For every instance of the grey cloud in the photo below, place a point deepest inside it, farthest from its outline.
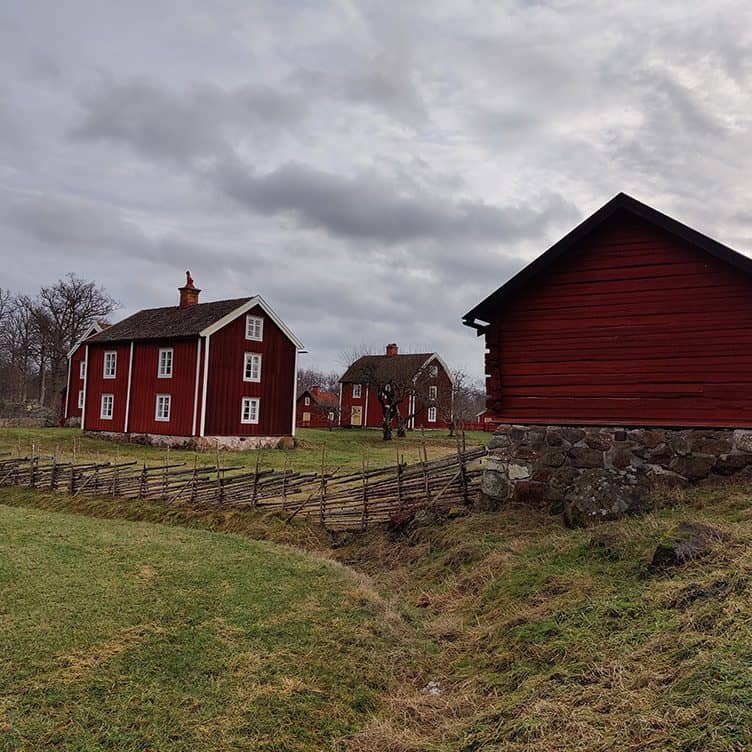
(371, 207)
(200, 122)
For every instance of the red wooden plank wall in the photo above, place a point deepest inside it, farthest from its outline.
(226, 388)
(634, 327)
(97, 385)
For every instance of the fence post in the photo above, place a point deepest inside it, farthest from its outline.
(322, 499)
(424, 467)
(399, 479)
(254, 497)
(463, 474)
(364, 477)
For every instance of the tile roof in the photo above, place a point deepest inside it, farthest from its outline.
(168, 323)
(380, 368)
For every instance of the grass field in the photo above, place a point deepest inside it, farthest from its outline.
(343, 449)
(130, 636)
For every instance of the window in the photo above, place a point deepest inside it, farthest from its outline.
(254, 328)
(82, 369)
(165, 363)
(307, 401)
(110, 365)
(356, 391)
(249, 411)
(331, 415)
(80, 399)
(252, 367)
(162, 412)
(433, 371)
(431, 414)
(433, 392)
(105, 406)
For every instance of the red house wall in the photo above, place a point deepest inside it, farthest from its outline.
(444, 396)
(146, 385)
(633, 327)
(97, 385)
(76, 383)
(226, 388)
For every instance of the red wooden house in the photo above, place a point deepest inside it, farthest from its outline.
(631, 319)
(317, 408)
(72, 397)
(224, 371)
(428, 406)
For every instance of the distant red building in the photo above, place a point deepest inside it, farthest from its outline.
(73, 394)
(222, 370)
(428, 407)
(631, 319)
(317, 408)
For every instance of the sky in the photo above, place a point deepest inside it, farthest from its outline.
(372, 169)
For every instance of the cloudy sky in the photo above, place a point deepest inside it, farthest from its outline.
(372, 169)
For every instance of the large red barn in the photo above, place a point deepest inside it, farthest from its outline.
(223, 371)
(632, 318)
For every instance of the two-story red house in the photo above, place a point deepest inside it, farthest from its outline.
(72, 397)
(223, 373)
(429, 404)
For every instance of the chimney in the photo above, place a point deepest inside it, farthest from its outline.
(315, 389)
(188, 294)
(392, 349)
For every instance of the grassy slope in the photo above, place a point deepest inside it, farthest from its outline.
(539, 640)
(132, 636)
(345, 448)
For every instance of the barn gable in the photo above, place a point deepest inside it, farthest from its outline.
(631, 319)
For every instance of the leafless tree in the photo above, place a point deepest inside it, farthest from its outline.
(463, 403)
(310, 377)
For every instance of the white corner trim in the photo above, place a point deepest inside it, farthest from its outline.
(339, 412)
(67, 393)
(257, 300)
(195, 387)
(294, 395)
(93, 329)
(86, 381)
(128, 392)
(436, 356)
(205, 385)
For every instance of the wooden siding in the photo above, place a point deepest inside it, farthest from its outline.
(146, 385)
(226, 388)
(97, 385)
(633, 327)
(76, 383)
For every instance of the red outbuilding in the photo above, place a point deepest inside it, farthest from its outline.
(72, 397)
(429, 404)
(224, 372)
(317, 408)
(632, 318)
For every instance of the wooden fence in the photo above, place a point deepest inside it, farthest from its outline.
(339, 502)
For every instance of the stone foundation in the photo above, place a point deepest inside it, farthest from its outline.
(200, 443)
(605, 472)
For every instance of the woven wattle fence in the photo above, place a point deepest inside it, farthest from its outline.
(339, 502)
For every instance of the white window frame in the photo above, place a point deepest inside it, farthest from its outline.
(331, 415)
(250, 420)
(357, 391)
(431, 414)
(104, 400)
(82, 370)
(162, 371)
(251, 324)
(307, 401)
(248, 358)
(166, 400)
(433, 371)
(80, 399)
(110, 356)
(433, 392)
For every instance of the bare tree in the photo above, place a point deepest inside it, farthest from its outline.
(310, 377)
(465, 400)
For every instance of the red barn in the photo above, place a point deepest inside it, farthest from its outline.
(73, 394)
(631, 319)
(429, 404)
(317, 408)
(224, 371)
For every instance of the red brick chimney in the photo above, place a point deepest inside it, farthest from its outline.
(392, 349)
(315, 389)
(188, 294)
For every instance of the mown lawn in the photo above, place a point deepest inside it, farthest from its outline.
(340, 449)
(133, 636)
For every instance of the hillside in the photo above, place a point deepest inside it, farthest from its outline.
(524, 635)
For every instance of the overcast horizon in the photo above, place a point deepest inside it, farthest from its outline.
(372, 170)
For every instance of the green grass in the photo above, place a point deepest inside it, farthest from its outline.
(133, 636)
(345, 449)
(537, 638)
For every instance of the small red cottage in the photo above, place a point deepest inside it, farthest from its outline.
(632, 319)
(73, 394)
(223, 372)
(424, 377)
(317, 408)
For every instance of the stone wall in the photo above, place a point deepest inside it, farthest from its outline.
(233, 443)
(605, 472)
